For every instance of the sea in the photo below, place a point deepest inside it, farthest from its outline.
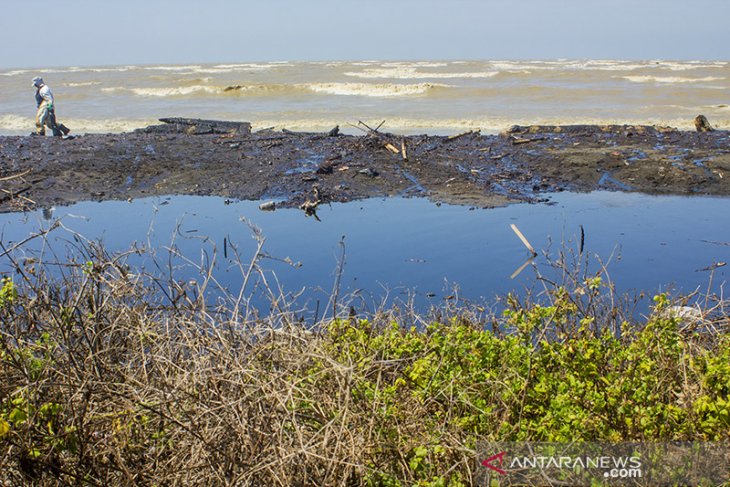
(430, 97)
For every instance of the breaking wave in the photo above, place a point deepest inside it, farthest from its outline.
(670, 79)
(178, 91)
(401, 72)
(352, 89)
(376, 90)
(84, 83)
(16, 72)
(603, 65)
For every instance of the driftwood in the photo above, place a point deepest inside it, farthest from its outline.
(16, 176)
(197, 126)
(373, 132)
(10, 195)
(521, 140)
(702, 124)
(523, 238)
(463, 134)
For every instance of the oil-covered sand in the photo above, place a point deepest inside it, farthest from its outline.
(521, 164)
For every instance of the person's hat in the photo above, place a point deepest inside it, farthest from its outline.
(37, 81)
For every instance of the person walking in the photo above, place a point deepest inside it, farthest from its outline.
(46, 114)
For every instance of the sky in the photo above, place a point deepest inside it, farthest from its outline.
(45, 33)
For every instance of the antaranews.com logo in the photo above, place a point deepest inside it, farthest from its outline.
(680, 463)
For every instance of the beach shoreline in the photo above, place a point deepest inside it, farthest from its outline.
(522, 164)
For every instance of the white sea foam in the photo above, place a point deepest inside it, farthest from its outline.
(689, 65)
(120, 69)
(18, 125)
(11, 122)
(77, 70)
(15, 124)
(172, 68)
(409, 72)
(16, 72)
(176, 91)
(375, 90)
(603, 65)
(251, 66)
(416, 64)
(670, 79)
(165, 92)
(83, 83)
(493, 125)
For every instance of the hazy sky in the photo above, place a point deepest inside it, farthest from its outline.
(43, 33)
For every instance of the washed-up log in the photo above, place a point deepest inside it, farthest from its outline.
(197, 126)
(307, 134)
(392, 148)
(702, 124)
(403, 150)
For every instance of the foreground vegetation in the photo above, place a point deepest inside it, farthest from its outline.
(109, 378)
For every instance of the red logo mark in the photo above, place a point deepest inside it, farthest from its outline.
(488, 463)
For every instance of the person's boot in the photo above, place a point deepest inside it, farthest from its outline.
(64, 129)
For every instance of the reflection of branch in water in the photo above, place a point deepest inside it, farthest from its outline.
(522, 267)
(724, 244)
(310, 207)
(712, 267)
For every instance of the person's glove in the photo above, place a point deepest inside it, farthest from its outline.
(50, 106)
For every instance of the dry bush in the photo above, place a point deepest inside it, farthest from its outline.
(114, 377)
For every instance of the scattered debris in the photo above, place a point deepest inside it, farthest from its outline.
(702, 124)
(524, 164)
(522, 140)
(327, 166)
(368, 172)
(268, 206)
